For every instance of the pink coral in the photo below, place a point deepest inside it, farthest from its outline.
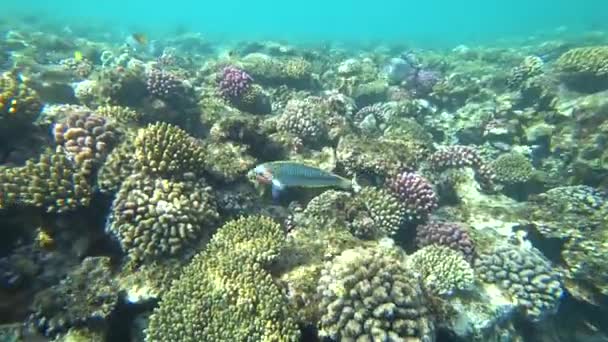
(416, 193)
(233, 83)
(446, 234)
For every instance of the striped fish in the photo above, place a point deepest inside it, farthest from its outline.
(285, 174)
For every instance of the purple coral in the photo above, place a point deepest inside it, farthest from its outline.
(233, 83)
(446, 234)
(162, 84)
(458, 156)
(416, 193)
(422, 81)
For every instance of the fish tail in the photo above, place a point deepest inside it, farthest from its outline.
(349, 185)
(355, 185)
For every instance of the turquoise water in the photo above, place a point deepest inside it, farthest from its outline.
(421, 22)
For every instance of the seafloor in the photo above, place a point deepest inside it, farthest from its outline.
(126, 213)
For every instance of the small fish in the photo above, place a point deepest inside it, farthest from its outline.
(281, 175)
(78, 56)
(137, 41)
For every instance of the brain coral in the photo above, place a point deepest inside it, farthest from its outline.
(154, 217)
(443, 269)
(525, 275)
(368, 294)
(225, 294)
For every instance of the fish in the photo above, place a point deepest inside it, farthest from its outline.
(281, 175)
(78, 56)
(137, 41)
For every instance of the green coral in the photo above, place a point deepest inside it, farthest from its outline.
(530, 67)
(52, 182)
(166, 150)
(584, 256)
(525, 274)
(378, 159)
(443, 269)
(155, 218)
(85, 297)
(368, 294)
(512, 168)
(225, 293)
(120, 114)
(585, 68)
(296, 69)
(118, 165)
(19, 104)
(230, 161)
(379, 213)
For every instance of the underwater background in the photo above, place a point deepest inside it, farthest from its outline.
(432, 171)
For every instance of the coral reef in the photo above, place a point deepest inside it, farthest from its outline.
(19, 104)
(443, 270)
(302, 119)
(369, 293)
(52, 182)
(166, 150)
(119, 114)
(525, 274)
(585, 68)
(155, 218)
(225, 293)
(416, 195)
(86, 139)
(459, 156)
(382, 213)
(162, 84)
(234, 83)
(447, 234)
(512, 168)
(85, 297)
(530, 67)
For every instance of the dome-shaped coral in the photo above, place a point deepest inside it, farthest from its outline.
(443, 269)
(525, 275)
(154, 218)
(368, 294)
(86, 138)
(416, 194)
(446, 234)
(303, 119)
(512, 168)
(224, 294)
(381, 213)
(458, 156)
(166, 150)
(52, 182)
(585, 68)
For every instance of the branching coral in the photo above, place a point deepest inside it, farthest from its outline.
(369, 294)
(377, 212)
(446, 234)
(416, 194)
(585, 68)
(52, 182)
(19, 104)
(117, 167)
(166, 150)
(120, 114)
(86, 138)
(85, 297)
(303, 119)
(443, 269)
(154, 218)
(225, 294)
(458, 156)
(230, 161)
(525, 275)
(530, 67)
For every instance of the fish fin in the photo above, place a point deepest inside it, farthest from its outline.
(355, 185)
(276, 188)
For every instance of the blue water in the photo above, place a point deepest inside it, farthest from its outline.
(430, 22)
